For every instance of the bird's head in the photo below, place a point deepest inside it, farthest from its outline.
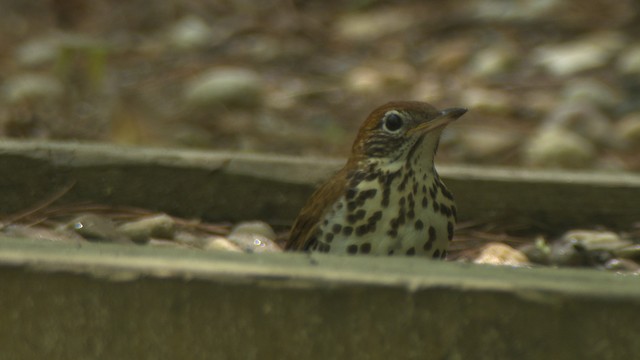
(397, 131)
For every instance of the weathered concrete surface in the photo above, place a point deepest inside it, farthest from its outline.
(125, 302)
(231, 186)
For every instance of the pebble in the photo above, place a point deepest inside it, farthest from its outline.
(583, 119)
(591, 91)
(373, 24)
(189, 33)
(38, 52)
(501, 254)
(513, 11)
(622, 265)
(631, 251)
(228, 87)
(254, 227)
(42, 233)
(628, 130)
(254, 237)
(364, 80)
(586, 248)
(370, 80)
(488, 101)
(591, 52)
(157, 226)
(96, 228)
(629, 60)
(485, 143)
(218, 243)
(32, 87)
(492, 61)
(559, 148)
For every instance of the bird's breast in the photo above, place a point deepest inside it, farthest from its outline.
(390, 211)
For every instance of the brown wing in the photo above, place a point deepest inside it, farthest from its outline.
(314, 210)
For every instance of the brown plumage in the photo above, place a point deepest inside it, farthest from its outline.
(378, 203)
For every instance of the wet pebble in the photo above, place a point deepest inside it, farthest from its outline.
(501, 254)
(218, 243)
(32, 87)
(628, 130)
(229, 87)
(591, 52)
(559, 148)
(486, 143)
(189, 32)
(591, 91)
(631, 251)
(486, 100)
(42, 233)
(492, 61)
(96, 228)
(622, 265)
(629, 60)
(586, 248)
(583, 119)
(254, 237)
(156, 226)
(373, 24)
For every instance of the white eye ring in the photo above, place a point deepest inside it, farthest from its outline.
(392, 122)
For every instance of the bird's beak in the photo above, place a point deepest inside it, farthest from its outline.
(443, 119)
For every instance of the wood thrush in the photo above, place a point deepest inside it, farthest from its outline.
(388, 198)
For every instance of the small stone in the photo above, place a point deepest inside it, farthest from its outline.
(374, 24)
(501, 254)
(492, 61)
(369, 80)
(364, 80)
(254, 227)
(631, 251)
(189, 32)
(157, 226)
(559, 148)
(628, 130)
(591, 52)
(596, 240)
(96, 228)
(41, 51)
(217, 243)
(32, 87)
(450, 55)
(629, 60)
(501, 11)
(583, 119)
(41, 233)
(622, 265)
(485, 100)
(227, 87)
(254, 243)
(254, 237)
(486, 143)
(189, 239)
(585, 248)
(167, 244)
(591, 91)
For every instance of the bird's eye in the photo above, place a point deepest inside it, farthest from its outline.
(393, 122)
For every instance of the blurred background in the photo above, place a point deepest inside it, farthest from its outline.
(549, 83)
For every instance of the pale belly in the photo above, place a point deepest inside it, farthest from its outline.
(417, 220)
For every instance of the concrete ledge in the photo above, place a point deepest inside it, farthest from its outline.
(231, 186)
(109, 301)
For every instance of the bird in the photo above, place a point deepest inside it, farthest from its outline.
(388, 198)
